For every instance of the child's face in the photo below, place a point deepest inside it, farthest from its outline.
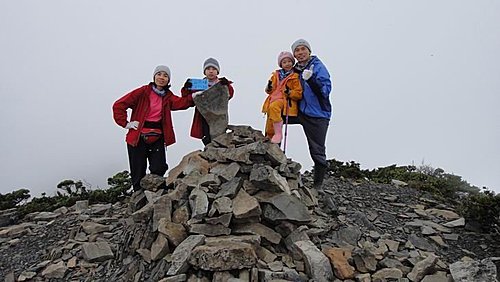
(161, 79)
(287, 64)
(211, 73)
(301, 53)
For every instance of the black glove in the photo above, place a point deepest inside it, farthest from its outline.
(224, 81)
(287, 91)
(188, 84)
(269, 86)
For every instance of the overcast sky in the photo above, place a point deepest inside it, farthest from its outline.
(415, 82)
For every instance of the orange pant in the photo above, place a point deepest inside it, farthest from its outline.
(274, 115)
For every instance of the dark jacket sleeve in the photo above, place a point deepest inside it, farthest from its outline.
(185, 91)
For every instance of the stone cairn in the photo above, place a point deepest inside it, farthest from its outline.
(229, 213)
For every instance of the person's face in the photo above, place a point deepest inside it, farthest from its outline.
(301, 53)
(161, 79)
(211, 73)
(287, 64)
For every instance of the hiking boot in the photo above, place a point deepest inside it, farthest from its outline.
(277, 132)
(319, 176)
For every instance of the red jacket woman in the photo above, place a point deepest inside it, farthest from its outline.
(138, 101)
(150, 128)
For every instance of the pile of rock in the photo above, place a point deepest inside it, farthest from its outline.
(231, 212)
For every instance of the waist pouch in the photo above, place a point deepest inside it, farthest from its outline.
(151, 135)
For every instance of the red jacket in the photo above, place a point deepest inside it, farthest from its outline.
(196, 127)
(138, 101)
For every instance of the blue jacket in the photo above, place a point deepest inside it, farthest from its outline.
(316, 91)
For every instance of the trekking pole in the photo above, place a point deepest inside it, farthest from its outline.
(286, 124)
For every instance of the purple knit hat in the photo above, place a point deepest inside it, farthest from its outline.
(285, 54)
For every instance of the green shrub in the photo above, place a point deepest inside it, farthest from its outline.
(74, 191)
(11, 200)
(425, 178)
(483, 209)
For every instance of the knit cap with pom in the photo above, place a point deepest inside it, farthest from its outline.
(283, 55)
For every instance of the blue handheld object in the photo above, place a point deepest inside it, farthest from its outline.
(199, 84)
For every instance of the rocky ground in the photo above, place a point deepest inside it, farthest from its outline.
(239, 211)
(395, 206)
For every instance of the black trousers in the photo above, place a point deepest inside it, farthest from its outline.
(139, 156)
(315, 130)
(206, 132)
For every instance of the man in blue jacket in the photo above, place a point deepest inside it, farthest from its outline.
(315, 109)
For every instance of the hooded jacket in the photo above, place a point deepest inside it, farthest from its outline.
(138, 101)
(293, 83)
(316, 90)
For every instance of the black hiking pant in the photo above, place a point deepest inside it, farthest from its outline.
(139, 156)
(315, 130)
(206, 132)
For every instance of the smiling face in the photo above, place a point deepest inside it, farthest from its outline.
(302, 54)
(161, 79)
(211, 73)
(287, 64)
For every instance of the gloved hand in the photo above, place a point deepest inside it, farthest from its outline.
(132, 125)
(188, 84)
(287, 91)
(223, 81)
(307, 73)
(196, 93)
(269, 86)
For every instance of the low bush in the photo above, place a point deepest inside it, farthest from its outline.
(483, 209)
(480, 207)
(73, 191)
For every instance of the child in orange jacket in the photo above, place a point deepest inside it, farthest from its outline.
(284, 92)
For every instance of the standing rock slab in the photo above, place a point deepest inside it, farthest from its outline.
(317, 264)
(162, 208)
(159, 248)
(182, 253)
(213, 104)
(198, 201)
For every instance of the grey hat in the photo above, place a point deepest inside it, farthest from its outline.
(301, 42)
(211, 62)
(162, 68)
